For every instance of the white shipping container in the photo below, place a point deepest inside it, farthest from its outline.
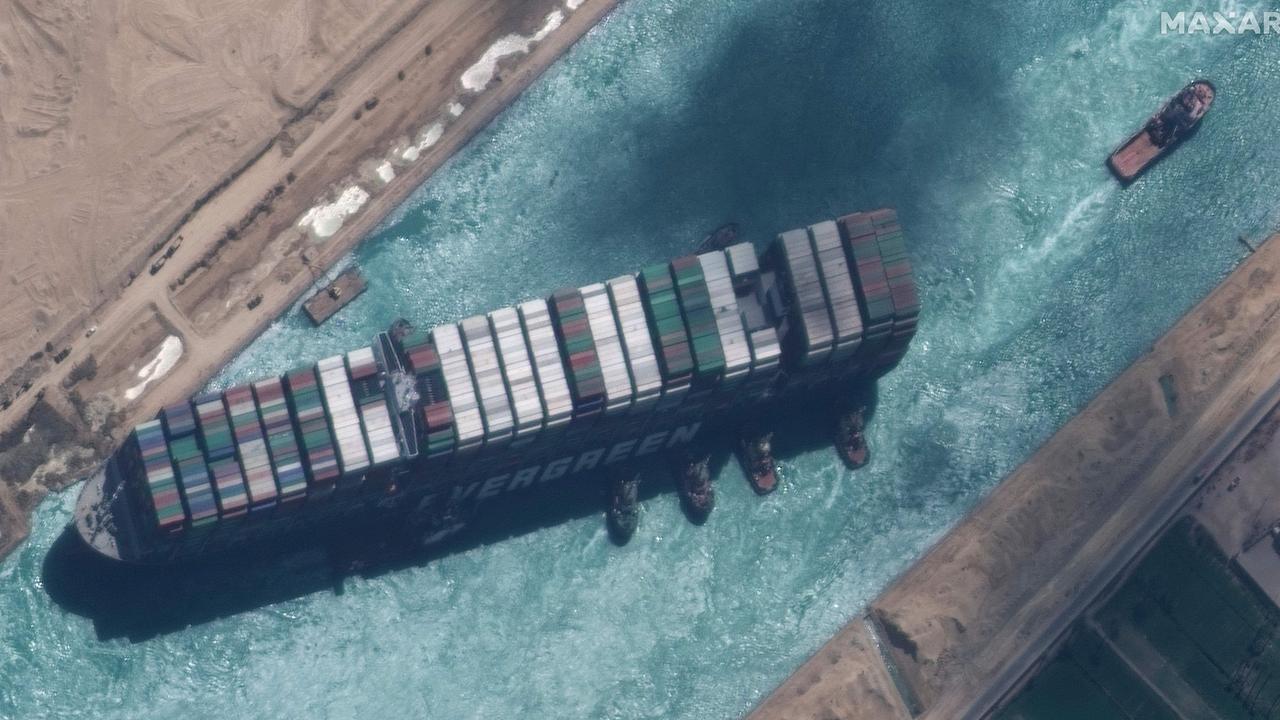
(724, 306)
(637, 340)
(517, 368)
(457, 381)
(618, 390)
(334, 387)
(495, 404)
(839, 286)
(815, 318)
(548, 364)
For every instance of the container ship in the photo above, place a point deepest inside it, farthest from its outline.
(418, 430)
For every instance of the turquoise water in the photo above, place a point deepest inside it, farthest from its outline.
(986, 125)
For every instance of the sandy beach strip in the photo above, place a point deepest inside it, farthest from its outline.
(255, 246)
(965, 622)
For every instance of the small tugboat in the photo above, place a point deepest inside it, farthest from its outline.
(755, 452)
(624, 508)
(851, 443)
(1163, 132)
(719, 239)
(694, 484)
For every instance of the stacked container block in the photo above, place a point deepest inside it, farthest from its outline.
(439, 435)
(252, 447)
(811, 317)
(902, 285)
(158, 478)
(193, 475)
(495, 403)
(728, 319)
(517, 368)
(862, 243)
(695, 305)
(637, 341)
(574, 332)
(675, 358)
(371, 402)
(353, 457)
(220, 455)
(548, 363)
(613, 362)
(743, 263)
(838, 282)
(282, 442)
(317, 433)
(459, 386)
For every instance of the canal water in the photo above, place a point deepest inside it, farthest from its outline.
(985, 124)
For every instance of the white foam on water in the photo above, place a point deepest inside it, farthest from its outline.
(326, 219)
(478, 76)
(166, 357)
(386, 173)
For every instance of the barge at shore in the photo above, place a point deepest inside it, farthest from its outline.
(419, 429)
(346, 287)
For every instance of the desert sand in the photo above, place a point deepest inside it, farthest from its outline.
(967, 621)
(236, 148)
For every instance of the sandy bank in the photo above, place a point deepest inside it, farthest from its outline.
(990, 595)
(231, 250)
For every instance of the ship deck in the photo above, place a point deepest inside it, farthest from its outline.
(99, 510)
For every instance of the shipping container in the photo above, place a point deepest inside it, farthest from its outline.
(666, 324)
(220, 455)
(251, 446)
(188, 460)
(573, 330)
(156, 472)
(837, 281)
(369, 391)
(548, 363)
(637, 341)
(619, 392)
(517, 369)
(314, 430)
(436, 413)
(335, 388)
(468, 423)
(728, 319)
(282, 440)
(695, 307)
(495, 401)
(810, 330)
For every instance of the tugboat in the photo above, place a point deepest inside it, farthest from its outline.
(850, 441)
(694, 484)
(719, 239)
(1164, 131)
(755, 452)
(624, 508)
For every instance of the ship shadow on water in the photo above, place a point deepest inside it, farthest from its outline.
(141, 602)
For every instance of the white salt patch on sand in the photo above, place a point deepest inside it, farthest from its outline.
(478, 76)
(386, 173)
(455, 109)
(326, 219)
(573, 4)
(160, 365)
(428, 137)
